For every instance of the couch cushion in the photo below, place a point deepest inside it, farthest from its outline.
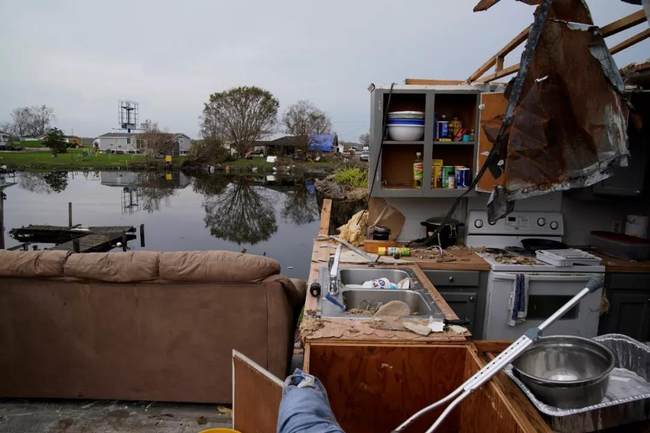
(32, 263)
(118, 267)
(216, 266)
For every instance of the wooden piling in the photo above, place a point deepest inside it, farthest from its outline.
(142, 235)
(69, 214)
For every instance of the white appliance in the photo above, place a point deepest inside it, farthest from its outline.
(548, 286)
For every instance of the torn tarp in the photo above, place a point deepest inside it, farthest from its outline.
(565, 125)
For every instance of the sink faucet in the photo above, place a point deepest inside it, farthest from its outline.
(334, 271)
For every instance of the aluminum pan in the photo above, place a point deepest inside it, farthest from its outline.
(627, 398)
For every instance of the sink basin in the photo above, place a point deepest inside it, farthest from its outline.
(369, 300)
(356, 277)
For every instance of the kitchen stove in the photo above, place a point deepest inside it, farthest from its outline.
(515, 270)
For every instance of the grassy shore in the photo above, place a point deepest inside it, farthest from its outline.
(79, 159)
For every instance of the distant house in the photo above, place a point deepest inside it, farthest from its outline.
(5, 137)
(183, 143)
(285, 145)
(118, 142)
(73, 140)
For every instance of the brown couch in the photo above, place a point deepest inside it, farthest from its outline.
(140, 325)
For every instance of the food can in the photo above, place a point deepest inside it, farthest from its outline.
(436, 173)
(463, 177)
(448, 175)
(442, 129)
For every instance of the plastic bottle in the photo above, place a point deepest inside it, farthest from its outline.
(418, 170)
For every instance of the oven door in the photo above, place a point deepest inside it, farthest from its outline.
(547, 292)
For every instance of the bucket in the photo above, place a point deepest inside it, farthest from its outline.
(220, 430)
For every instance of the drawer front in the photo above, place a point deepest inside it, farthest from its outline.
(464, 305)
(453, 278)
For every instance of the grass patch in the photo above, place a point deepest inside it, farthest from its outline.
(355, 177)
(29, 144)
(79, 159)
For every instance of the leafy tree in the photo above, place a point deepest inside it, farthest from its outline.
(240, 214)
(30, 121)
(239, 116)
(300, 206)
(207, 151)
(55, 140)
(57, 180)
(303, 119)
(156, 141)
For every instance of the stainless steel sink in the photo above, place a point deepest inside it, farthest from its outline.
(356, 277)
(362, 303)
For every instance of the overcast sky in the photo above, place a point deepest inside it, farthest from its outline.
(81, 57)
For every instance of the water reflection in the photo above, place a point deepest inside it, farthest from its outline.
(241, 213)
(44, 183)
(277, 216)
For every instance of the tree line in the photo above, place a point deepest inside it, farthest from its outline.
(240, 116)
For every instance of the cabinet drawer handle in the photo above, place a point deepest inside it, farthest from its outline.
(451, 278)
(471, 298)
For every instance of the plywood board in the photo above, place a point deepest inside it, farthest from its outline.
(256, 396)
(494, 105)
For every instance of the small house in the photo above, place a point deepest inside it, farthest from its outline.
(5, 137)
(183, 143)
(118, 142)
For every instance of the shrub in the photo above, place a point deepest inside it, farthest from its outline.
(355, 177)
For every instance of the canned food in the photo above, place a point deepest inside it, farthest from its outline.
(463, 177)
(447, 175)
(436, 173)
(442, 129)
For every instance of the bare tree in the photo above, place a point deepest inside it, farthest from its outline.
(303, 119)
(364, 139)
(156, 141)
(239, 116)
(31, 121)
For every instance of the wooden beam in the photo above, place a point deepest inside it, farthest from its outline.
(502, 73)
(623, 23)
(630, 41)
(610, 29)
(514, 43)
(428, 82)
(325, 213)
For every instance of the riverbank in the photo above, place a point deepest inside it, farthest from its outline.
(82, 159)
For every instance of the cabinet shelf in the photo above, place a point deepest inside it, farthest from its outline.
(403, 142)
(454, 143)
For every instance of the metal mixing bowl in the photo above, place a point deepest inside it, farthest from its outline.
(566, 371)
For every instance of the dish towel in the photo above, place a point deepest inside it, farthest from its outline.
(518, 306)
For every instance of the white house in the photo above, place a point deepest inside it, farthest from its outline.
(183, 142)
(4, 138)
(118, 142)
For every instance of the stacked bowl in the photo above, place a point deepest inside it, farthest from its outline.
(406, 125)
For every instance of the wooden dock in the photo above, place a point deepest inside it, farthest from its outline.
(76, 238)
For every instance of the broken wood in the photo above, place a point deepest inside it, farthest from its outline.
(630, 41)
(623, 23)
(325, 213)
(256, 396)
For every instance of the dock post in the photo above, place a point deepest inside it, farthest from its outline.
(123, 241)
(69, 214)
(142, 235)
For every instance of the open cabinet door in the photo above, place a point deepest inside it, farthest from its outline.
(256, 396)
(494, 105)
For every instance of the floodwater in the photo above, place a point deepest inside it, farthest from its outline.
(268, 215)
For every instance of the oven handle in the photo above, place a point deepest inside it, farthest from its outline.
(543, 277)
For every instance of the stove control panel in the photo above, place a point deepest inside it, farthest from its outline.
(517, 223)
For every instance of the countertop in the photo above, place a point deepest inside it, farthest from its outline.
(341, 330)
(615, 264)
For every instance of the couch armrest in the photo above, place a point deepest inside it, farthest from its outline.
(294, 289)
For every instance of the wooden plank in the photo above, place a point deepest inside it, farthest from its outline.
(449, 313)
(501, 54)
(509, 414)
(430, 82)
(500, 74)
(494, 104)
(325, 215)
(491, 346)
(623, 23)
(256, 396)
(633, 40)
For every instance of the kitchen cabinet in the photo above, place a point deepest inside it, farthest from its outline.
(391, 162)
(629, 305)
(465, 293)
